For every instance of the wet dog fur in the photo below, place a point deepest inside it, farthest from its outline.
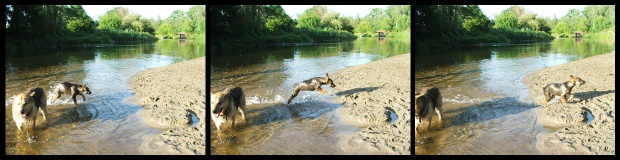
(561, 89)
(72, 89)
(311, 85)
(225, 104)
(27, 105)
(426, 102)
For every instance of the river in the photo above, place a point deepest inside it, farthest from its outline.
(487, 109)
(267, 76)
(107, 122)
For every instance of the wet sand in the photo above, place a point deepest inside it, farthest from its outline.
(585, 125)
(174, 98)
(376, 96)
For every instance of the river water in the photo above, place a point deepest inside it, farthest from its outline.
(267, 75)
(107, 122)
(486, 106)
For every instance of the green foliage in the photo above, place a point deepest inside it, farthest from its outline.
(364, 28)
(252, 25)
(277, 20)
(591, 20)
(450, 26)
(35, 26)
(506, 19)
(561, 28)
(474, 20)
(110, 20)
(309, 19)
(78, 20)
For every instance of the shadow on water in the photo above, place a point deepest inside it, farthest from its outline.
(495, 108)
(278, 112)
(77, 114)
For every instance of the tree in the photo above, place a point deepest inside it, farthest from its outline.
(506, 19)
(78, 20)
(364, 27)
(309, 19)
(561, 28)
(474, 20)
(110, 20)
(165, 29)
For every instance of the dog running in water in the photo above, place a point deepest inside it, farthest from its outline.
(311, 85)
(27, 105)
(72, 89)
(427, 102)
(561, 89)
(224, 105)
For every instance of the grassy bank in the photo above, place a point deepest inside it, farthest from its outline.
(293, 36)
(15, 43)
(449, 39)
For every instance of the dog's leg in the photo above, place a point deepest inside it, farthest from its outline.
(83, 98)
(571, 97)
(547, 97)
(294, 94)
(438, 111)
(417, 122)
(323, 91)
(217, 125)
(233, 122)
(19, 125)
(58, 94)
(34, 121)
(73, 97)
(43, 111)
(439, 108)
(242, 111)
(430, 119)
(563, 98)
(242, 106)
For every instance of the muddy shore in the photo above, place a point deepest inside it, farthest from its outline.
(585, 125)
(174, 100)
(377, 96)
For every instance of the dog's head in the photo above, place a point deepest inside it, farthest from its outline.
(577, 80)
(219, 102)
(84, 89)
(23, 103)
(330, 82)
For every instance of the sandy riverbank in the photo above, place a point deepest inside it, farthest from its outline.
(172, 96)
(575, 133)
(372, 94)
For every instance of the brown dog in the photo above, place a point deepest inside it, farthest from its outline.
(225, 105)
(72, 89)
(27, 105)
(311, 85)
(561, 89)
(427, 102)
